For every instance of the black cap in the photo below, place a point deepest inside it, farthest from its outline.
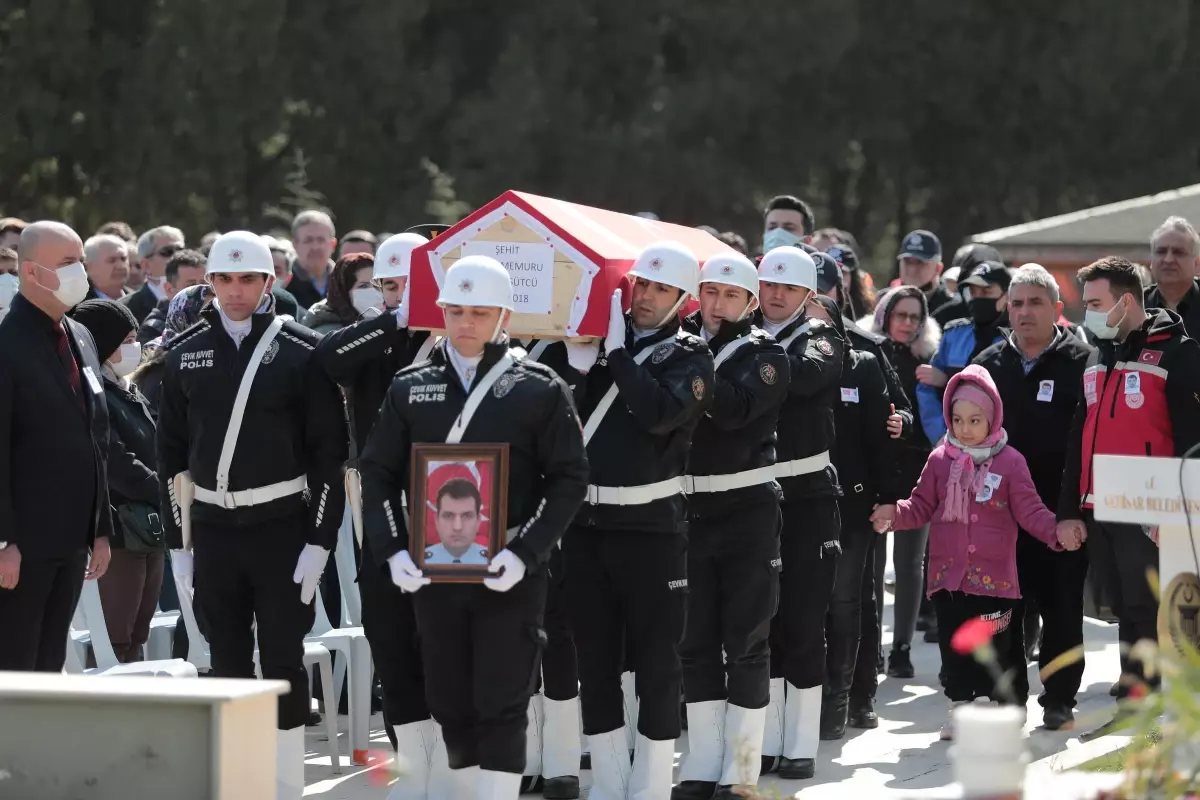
(829, 274)
(844, 255)
(429, 229)
(969, 256)
(989, 273)
(921, 244)
(108, 321)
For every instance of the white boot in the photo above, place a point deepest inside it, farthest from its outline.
(801, 722)
(560, 745)
(610, 765)
(492, 785)
(772, 743)
(289, 764)
(653, 764)
(742, 760)
(415, 744)
(463, 783)
(441, 777)
(706, 742)
(534, 715)
(629, 690)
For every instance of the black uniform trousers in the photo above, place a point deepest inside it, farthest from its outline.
(733, 593)
(391, 629)
(966, 678)
(560, 675)
(1122, 553)
(854, 578)
(627, 600)
(35, 616)
(482, 652)
(809, 548)
(243, 578)
(866, 673)
(1053, 582)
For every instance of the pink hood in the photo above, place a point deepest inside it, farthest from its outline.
(978, 376)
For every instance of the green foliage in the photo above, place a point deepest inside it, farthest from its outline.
(957, 116)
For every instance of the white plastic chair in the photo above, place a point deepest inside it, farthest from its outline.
(92, 611)
(347, 571)
(351, 644)
(314, 654)
(162, 634)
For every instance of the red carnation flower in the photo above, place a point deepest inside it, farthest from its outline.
(972, 635)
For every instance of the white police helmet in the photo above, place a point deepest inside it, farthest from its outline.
(789, 265)
(240, 251)
(394, 256)
(669, 263)
(476, 281)
(731, 269)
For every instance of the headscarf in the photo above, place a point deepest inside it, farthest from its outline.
(184, 312)
(341, 282)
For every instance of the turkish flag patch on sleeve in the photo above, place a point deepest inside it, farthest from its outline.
(1150, 357)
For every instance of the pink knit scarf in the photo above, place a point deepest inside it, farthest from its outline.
(968, 473)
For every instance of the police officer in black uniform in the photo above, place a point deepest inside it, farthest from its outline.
(733, 538)
(626, 553)
(364, 358)
(480, 643)
(251, 443)
(811, 523)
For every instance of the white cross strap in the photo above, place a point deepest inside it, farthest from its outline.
(239, 404)
(729, 350)
(795, 335)
(477, 394)
(593, 423)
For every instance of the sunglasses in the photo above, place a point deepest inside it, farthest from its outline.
(169, 250)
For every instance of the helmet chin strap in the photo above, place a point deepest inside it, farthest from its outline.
(750, 308)
(683, 296)
(495, 337)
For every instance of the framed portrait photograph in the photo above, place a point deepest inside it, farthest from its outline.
(458, 509)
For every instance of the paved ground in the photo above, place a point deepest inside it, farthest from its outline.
(902, 754)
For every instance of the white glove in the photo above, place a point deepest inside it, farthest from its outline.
(405, 573)
(616, 325)
(183, 566)
(582, 355)
(514, 570)
(401, 311)
(308, 570)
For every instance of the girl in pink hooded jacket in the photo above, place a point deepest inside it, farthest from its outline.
(974, 492)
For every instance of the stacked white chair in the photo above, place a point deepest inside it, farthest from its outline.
(92, 612)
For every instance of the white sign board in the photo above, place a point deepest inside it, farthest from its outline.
(1145, 491)
(531, 267)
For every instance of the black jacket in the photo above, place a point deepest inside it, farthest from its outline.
(647, 434)
(945, 307)
(141, 302)
(806, 420)
(286, 303)
(529, 408)
(866, 455)
(1188, 308)
(738, 432)
(876, 345)
(293, 426)
(53, 454)
(131, 458)
(304, 290)
(554, 356)
(155, 323)
(363, 358)
(1038, 417)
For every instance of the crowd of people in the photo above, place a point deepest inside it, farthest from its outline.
(694, 503)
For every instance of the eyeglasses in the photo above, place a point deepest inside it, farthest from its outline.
(169, 250)
(915, 319)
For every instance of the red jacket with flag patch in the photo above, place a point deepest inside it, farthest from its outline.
(1140, 397)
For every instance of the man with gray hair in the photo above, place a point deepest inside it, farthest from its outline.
(154, 248)
(107, 262)
(314, 240)
(1038, 369)
(1174, 264)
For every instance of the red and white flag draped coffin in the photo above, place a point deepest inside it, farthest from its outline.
(565, 261)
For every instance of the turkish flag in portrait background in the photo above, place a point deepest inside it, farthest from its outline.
(478, 473)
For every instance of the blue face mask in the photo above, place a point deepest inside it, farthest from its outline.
(778, 237)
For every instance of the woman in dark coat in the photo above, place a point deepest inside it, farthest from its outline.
(129, 590)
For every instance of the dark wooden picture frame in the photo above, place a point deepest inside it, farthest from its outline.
(479, 474)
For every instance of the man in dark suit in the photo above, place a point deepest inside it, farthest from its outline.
(53, 439)
(155, 248)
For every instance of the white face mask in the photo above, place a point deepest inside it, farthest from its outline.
(366, 299)
(130, 356)
(72, 284)
(1097, 323)
(9, 286)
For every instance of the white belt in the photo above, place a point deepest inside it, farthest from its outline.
(252, 497)
(693, 484)
(633, 495)
(802, 466)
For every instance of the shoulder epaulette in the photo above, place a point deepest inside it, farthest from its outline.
(294, 332)
(188, 333)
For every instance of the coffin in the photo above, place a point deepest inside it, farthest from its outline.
(565, 261)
